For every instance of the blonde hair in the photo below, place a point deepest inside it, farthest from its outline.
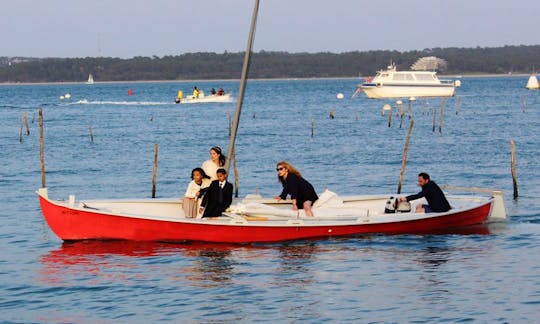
(289, 167)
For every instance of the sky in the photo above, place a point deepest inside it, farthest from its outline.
(129, 28)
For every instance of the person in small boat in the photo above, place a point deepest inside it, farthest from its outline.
(221, 92)
(195, 92)
(216, 161)
(437, 202)
(194, 192)
(218, 197)
(302, 193)
(213, 91)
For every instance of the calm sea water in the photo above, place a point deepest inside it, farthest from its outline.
(482, 274)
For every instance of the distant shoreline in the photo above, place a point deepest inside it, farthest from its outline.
(483, 75)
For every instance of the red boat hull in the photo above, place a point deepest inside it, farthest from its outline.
(75, 224)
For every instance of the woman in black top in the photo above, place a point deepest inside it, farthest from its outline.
(301, 191)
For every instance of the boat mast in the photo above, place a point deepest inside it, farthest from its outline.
(240, 99)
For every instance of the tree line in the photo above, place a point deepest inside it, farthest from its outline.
(265, 64)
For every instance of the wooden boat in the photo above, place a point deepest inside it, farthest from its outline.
(254, 219)
(391, 83)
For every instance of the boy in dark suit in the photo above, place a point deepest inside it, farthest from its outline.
(218, 197)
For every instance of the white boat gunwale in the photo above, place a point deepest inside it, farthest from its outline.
(90, 206)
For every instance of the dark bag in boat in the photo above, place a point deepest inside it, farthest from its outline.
(391, 205)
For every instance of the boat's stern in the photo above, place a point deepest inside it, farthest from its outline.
(498, 211)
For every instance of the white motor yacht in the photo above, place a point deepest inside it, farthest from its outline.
(391, 83)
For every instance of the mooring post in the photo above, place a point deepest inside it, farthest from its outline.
(404, 159)
(229, 121)
(513, 167)
(25, 118)
(401, 112)
(91, 134)
(434, 117)
(154, 172)
(411, 100)
(20, 132)
(312, 127)
(443, 102)
(41, 149)
(458, 104)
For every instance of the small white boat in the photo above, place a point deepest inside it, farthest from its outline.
(390, 83)
(202, 98)
(90, 79)
(532, 83)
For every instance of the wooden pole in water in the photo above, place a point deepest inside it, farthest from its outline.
(25, 118)
(524, 103)
(404, 160)
(390, 113)
(154, 172)
(229, 121)
(411, 99)
(20, 132)
(33, 117)
(91, 134)
(401, 114)
(312, 127)
(443, 102)
(513, 167)
(41, 149)
(434, 117)
(458, 104)
(245, 70)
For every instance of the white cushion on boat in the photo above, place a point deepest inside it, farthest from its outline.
(328, 199)
(258, 209)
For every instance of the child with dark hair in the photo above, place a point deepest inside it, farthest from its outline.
(195, 190)
(218, 197)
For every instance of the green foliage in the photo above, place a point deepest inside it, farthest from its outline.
(264, 64)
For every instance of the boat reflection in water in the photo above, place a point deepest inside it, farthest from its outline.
(119, 260)
(202, 264)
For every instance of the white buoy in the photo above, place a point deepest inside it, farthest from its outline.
(387, 107)
(457, 83)
(61, 97)
(399, 102)
(67, 96)
(340, 96)
(412, 99)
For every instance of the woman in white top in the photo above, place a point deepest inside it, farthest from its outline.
(217, 160)
(191, 201)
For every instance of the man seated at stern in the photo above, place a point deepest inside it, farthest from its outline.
(436, 201)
